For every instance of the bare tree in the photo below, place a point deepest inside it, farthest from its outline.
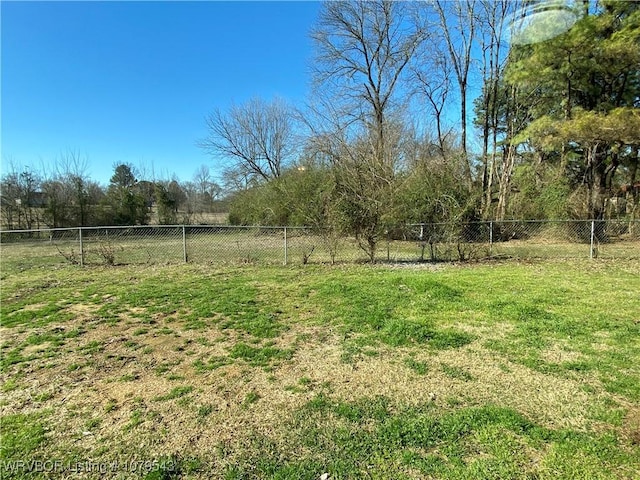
(72, 170)
(458, 24)
(258, 137)
(432, 78)
(493, 22)
(205, 184)
(238, 178)
(20, 196)
(363, 50)
(203, 191)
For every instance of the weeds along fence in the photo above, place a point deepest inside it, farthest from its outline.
(290, 245)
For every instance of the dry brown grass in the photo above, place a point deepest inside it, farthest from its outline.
(97, 390)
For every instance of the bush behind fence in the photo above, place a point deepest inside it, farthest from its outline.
(290, 245)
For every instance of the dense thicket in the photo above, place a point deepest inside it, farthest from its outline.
(557, 122)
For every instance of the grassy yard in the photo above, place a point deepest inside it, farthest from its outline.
(493, 370)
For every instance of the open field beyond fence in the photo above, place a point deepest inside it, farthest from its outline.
(495, 370)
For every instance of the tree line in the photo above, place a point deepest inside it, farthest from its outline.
(69, 198)
(431, 111)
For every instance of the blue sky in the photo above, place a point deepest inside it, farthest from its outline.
(132, 82)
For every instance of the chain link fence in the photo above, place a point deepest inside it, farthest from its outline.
(297, 245)
(529, 240)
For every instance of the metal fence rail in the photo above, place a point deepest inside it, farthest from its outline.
(290, 245)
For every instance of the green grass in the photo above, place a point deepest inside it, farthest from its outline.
(22, 435)
(496, 370)
(212, 363)
(354, 440)
(251, 397)
(259, 356)
(456, 372)
(176, 392)
(16, 314)
(421, 368)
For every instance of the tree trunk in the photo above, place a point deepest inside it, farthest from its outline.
(486, 195)
(505, 180)
(463, 119)
(595, 178)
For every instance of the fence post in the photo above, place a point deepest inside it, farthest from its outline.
(593, 229)
(285, 245)
(81, 247)
(184, 244)
(491, 238)
(388, 245)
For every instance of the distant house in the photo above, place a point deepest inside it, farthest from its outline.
(38, 200)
